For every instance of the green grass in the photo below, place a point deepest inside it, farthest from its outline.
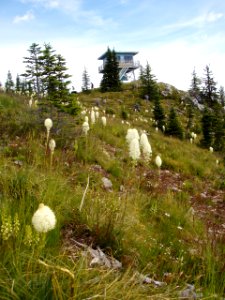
(149, 230)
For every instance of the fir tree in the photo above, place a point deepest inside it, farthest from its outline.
(110, 80)
(18, 83)
(9, 84)
(174, 127)
(85, 81)
(195, 90)
(207, 128)
(158, 112)
(209, 90)
(190, 117)
(218, 128)
(222, 96)
(33, 72)
(149, 86)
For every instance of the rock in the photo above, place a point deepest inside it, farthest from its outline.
(107, 183)
(188, 293)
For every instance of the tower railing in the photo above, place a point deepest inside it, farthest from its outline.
(122, 65)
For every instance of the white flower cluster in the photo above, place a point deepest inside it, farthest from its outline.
(138, 144)
(145, 147)
(44, 219)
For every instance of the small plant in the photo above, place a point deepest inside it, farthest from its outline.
(44, 219)
(48, 124)
(52, 146)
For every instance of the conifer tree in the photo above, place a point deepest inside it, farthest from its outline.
(174, 127)
(149, 86)
(110, 80)
(85, 81)
(207, 128)
(158, 112)
(190, 117)
(9, 84)
(218, 123)
(33, 72)
(222, 96)
(18, 83)
(209, 90)
(195, 90)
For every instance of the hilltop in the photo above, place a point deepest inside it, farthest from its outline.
(125, 229)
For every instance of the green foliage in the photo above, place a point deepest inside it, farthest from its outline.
(159, 115)
(149, 88)
(174, 126)
(145, 220)
(110, 80)
(207, 128)
(209, 92)
(85, 82)
(9, 84)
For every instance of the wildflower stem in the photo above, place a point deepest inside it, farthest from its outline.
(84, 194)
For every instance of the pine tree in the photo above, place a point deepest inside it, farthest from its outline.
(158, 112)
(209, 90)
(195, 90)
(33, 70)
(110, 80)
(149, 86)
(174, 127)
(222, 96)
(85, 81)
(207, 128)
(218, 123)
(18, 83)
(9, 84)
(190, 117)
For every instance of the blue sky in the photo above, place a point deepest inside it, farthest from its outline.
(174, 36)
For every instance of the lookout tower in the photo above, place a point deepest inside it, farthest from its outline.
(127, 65)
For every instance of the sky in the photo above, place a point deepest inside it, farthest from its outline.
(173, 36)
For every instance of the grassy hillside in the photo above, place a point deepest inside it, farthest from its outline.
(167, 224)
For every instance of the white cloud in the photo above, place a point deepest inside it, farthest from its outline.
(198, 21)
(28, 16)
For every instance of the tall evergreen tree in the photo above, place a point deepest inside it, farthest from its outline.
(207, 128)
(174, 127)
(195, 89)
(110, 80)
(18, 83)
(222, 96)
(209, 90)
(149, 86)
(158, 112)
(9, 84)
(218, 129)
(85, 81)
(33, 70)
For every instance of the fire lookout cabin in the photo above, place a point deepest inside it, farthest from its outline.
(127, 65)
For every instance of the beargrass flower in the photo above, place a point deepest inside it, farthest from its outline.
(145, 146)
(48, 124)
(44, 219)
(131, 134)
(134, 149)
(158, 161)
(52, 145)
(92, 116)
(86, 119)
(104, 121)
(97, 114)
(85, 127)
(211, 149)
